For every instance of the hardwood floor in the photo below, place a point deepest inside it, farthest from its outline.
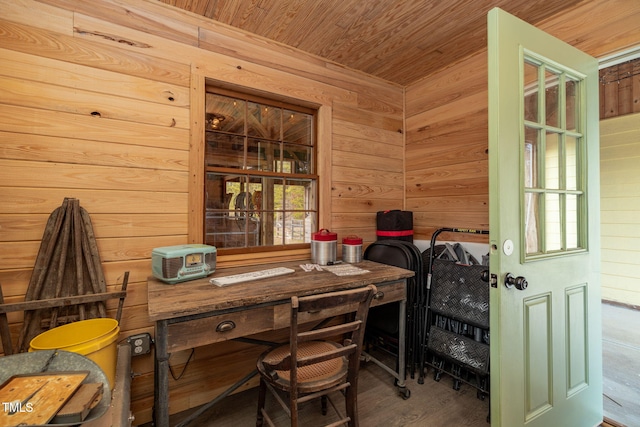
(621, 364)
(432, 403)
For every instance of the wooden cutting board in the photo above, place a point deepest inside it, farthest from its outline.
(77, 408)
(35, 399)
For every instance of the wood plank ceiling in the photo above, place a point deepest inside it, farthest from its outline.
(400, 41)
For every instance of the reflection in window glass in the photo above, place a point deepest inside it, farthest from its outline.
(531, 214)
(260, 190)
(298, 158)
(531, 223)
(531, 92)
(224, 114)
(228, 149)
(263, 121)
(262, 155)
(296, 127)
(552, 97)
(530, 158)
(571, 108)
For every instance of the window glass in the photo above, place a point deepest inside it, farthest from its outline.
(552, 185)
(264, 121)
(260, 187)
(552, 98)
(531, 92)
(552, 160)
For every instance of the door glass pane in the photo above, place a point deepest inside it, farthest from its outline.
(552, 160)
(531, 92)
(571, 104)
(572, 221)
(531, 223)
(552, 99)
(553, 236)
(571, 163)
(530, 158)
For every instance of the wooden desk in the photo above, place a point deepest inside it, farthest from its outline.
(197, 313)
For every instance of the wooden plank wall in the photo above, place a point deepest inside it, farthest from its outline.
(446, 121)
(620, 204)
(620, 89)
(101, 102)
(447, 165)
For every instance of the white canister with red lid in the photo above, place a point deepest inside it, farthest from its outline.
(352, 249)
(324, 247)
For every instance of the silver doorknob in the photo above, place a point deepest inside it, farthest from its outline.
(519, 282)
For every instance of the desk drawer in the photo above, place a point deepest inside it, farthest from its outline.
(208, 330)
(282, 315)
(390, 292)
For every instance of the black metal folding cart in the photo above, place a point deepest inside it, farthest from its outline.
(456, 324)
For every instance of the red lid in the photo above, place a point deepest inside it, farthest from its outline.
(352, 240)
(324, 235)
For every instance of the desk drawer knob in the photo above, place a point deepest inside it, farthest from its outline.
(378, 295)
(225, 326)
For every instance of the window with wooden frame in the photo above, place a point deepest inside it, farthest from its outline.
(260, 189)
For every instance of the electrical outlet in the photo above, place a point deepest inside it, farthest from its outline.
(140, 344)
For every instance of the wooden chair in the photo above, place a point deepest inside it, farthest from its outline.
(311, 365)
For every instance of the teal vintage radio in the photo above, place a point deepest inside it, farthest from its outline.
(179, 263)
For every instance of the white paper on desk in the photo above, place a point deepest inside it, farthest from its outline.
(344, 269)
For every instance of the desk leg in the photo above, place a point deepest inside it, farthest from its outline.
(402, 372)
(402, 327)
(161, 377)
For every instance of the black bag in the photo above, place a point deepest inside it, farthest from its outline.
(395, 225)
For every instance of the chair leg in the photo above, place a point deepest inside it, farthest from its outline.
(351, 403)
(293, 407)
(262, 393)
(323, 402)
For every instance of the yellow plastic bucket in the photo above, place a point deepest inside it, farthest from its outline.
(93, 338)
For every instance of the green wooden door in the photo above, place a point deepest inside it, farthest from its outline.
(544, 222)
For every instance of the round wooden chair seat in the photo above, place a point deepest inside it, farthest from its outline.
(311, 377)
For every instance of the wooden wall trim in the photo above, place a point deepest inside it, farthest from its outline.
(196, 159)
